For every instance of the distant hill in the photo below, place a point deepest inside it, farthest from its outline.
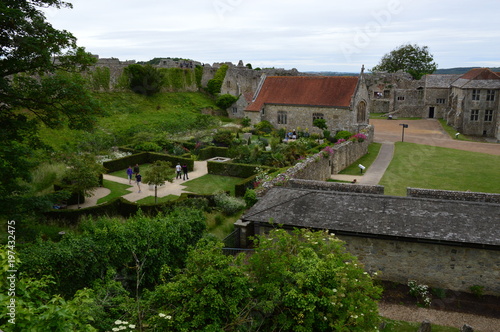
(461, 70)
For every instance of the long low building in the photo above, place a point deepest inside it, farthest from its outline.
(445, 243)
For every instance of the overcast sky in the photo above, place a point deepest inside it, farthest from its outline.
(310, 35)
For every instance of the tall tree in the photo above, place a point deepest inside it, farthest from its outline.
(33, 88)
(413, 59)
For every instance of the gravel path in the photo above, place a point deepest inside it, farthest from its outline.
(446, 318)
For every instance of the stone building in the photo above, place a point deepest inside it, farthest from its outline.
(474, 103)
(445, 243)
(295, 102)
(468, 102)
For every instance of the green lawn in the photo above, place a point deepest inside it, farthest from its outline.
(209, 184)
(366, 160)
(430, 167)
(117, 190)
(123, 173)
(400, 326)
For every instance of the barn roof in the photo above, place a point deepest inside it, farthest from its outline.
(415, 219)
(330, 91)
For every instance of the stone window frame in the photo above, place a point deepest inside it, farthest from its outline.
(488, 115)
(282, 117)
(318, 116)
(440, 100)
(474, 115)
(490, 95)
(476, 94)
(401, 98)
(235, 110)
(387, 93)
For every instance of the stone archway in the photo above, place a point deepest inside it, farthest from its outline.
(361, 112)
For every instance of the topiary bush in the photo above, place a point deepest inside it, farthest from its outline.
(228, 205)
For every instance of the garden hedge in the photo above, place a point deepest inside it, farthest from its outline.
(145, 158)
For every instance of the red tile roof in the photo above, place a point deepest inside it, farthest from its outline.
(333, 91)
(480, 74)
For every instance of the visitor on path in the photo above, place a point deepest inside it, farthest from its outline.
(136, 169)
(130, 171)
(138, 179)
(178, 168)
(185, 172)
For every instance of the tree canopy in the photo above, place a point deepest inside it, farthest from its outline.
(304, 281)
(39, 83)
(413, 59)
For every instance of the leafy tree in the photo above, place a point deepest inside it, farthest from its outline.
(146, 80)
(225, 101)
(305, 281)
(413, 59)
(33, 58)
(83, 175)
(159, 172)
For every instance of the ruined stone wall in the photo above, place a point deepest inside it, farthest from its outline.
(453, 195)
(409, 103)
(437, 265)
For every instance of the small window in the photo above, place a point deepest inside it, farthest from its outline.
(235, 110)
(474, 115)
(318, 116)
(401, 98)
(440, 101)
(490, 95)
(387, 93)
(488, 115)
(475, 94)
(282, 118)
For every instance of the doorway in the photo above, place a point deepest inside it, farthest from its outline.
(431, 112)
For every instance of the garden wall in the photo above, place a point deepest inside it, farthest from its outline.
(348, 152)
(440, 266)
(335, 186)
(453, 195)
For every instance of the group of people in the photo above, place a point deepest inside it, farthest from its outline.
(182, 171)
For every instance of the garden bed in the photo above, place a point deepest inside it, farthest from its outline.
(448, 300)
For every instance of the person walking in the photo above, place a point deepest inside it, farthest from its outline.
(178, 168)
(138, 180)
(185, 172)
(130, 171)
(136, 169)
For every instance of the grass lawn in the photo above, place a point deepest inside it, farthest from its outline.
(123, 173)
(209, 184)
(430, 167)
(117, 190)
(400, 326)
(366, 160)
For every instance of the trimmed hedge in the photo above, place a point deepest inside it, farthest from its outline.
(241, 187)
(145, 158)
(119, 207)
(212, 151)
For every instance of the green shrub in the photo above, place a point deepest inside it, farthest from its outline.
(148, 146)
(250, 197)
(228, 205)
(264, 127)
(223, 138)
(225, 101)
(343, 134)
(477, 290)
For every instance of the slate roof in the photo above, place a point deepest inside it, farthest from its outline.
(329, 91)
(478, 78)
(383, 216)
(440, 80)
